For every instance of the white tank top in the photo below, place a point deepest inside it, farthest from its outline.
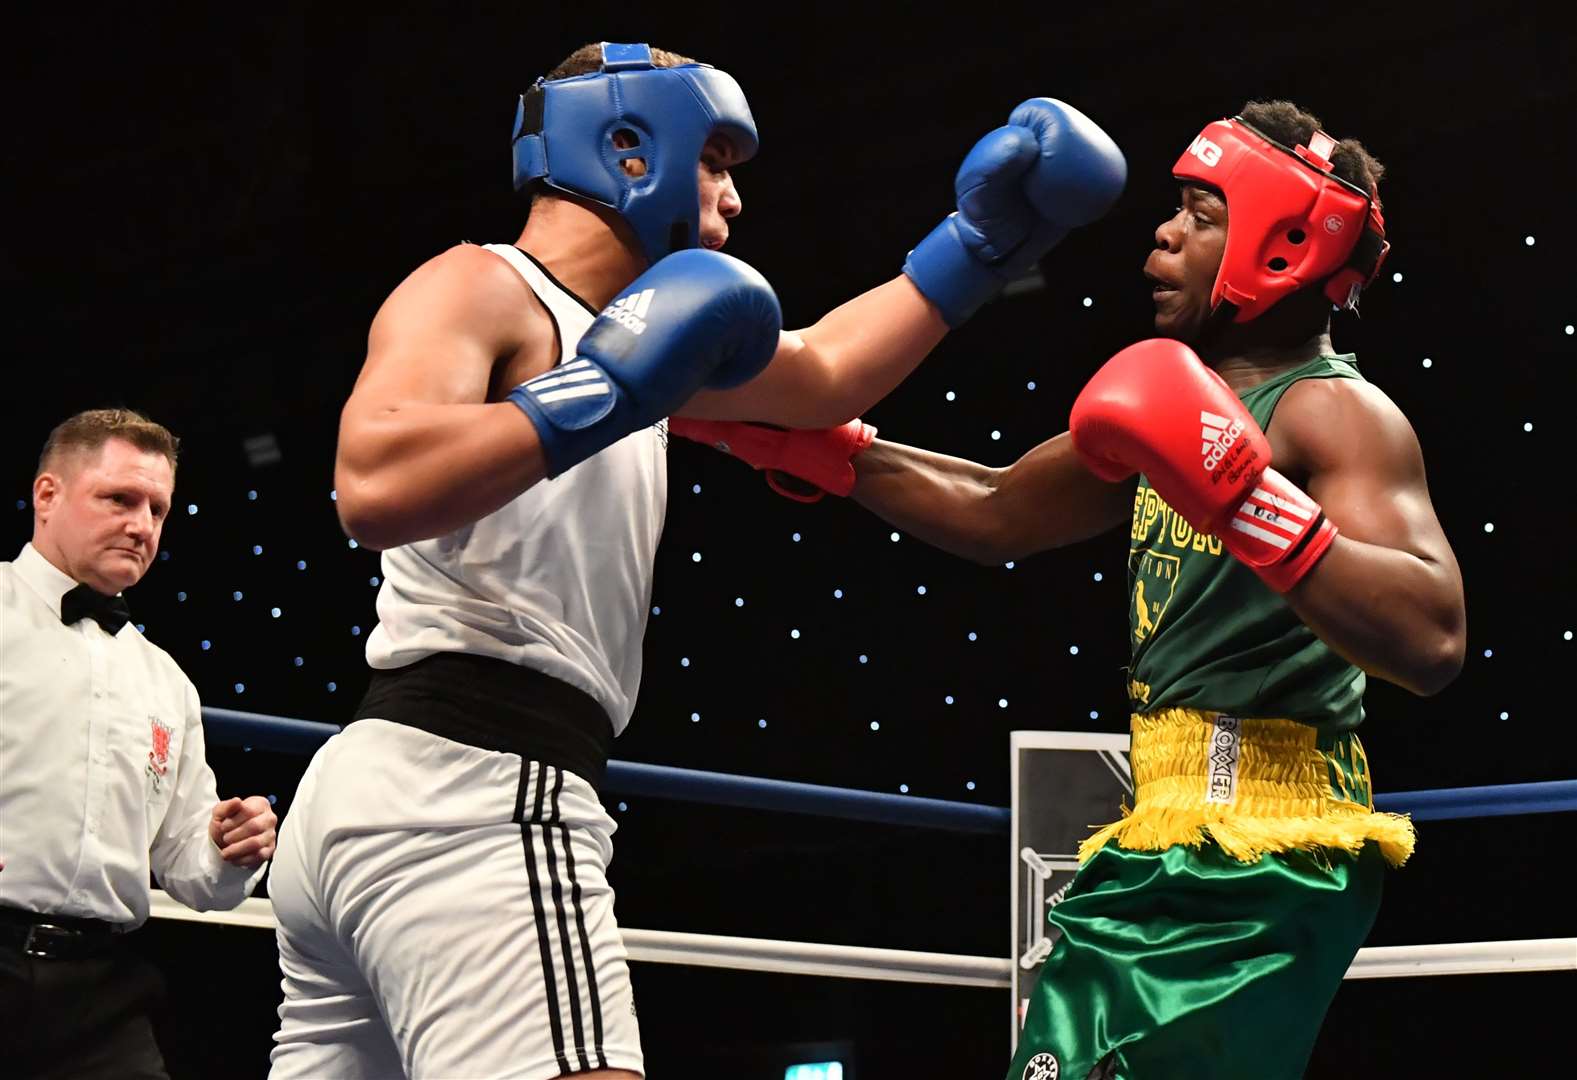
(560, 579)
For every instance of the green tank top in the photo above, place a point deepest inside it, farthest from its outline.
(1206, 633)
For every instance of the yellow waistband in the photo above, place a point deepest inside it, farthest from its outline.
(1252, 786)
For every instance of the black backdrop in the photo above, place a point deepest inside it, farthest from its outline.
(209, 208)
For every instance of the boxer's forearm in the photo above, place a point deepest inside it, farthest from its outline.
(939, 499)
(831, 372)
(412, 472)
(869, 345)
(1392, 613)
(1044, 500)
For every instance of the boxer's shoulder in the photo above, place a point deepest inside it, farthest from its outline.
(472, 279)
(1324, 424)
(469, 298)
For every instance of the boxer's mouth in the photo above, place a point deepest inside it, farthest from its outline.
(1159, 286)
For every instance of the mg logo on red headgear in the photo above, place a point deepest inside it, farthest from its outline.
(1205, 150)
(1334, 224)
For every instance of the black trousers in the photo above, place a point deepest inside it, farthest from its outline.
(80, 1019)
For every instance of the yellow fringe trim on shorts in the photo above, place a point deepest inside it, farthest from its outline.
(1283, 793)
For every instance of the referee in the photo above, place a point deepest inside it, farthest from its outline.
(102, 773)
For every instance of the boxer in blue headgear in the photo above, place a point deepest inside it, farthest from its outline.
(440, 883)
(583, 134)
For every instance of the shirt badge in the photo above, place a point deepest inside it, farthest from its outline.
(159, 753)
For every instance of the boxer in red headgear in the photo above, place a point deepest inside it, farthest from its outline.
(1282, 545)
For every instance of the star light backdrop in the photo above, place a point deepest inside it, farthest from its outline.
(216, 209)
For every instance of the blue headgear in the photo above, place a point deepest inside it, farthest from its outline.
(564, 137)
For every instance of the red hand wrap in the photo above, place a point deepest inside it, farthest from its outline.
(1279, 531)
(820, 457)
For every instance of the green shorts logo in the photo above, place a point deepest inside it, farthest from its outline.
(1042, 1067)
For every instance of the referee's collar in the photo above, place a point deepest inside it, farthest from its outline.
(45, 578)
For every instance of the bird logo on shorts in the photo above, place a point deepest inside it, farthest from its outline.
(1042, 1067)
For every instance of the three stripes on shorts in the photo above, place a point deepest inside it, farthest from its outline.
(561, 921)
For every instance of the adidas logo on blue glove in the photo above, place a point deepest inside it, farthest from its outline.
(630, 311)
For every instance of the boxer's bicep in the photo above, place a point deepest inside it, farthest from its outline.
(434, 342)
(436, 338)
(420, 450)
(1387, 593)
(412, 358)
(1360, 459)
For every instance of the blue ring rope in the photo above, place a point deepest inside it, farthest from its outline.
(628, 778)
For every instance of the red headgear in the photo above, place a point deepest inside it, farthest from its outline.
(1292, 221)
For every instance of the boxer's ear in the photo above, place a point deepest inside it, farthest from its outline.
(634, 167)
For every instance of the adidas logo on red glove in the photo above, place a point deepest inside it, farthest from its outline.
(1220, 435)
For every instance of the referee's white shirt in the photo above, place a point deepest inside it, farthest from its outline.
(102, 773)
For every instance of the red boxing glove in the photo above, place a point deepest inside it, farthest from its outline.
(801, 464)
(1141, 413)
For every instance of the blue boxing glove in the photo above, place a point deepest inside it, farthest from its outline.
(1022, 187)
(696, 319)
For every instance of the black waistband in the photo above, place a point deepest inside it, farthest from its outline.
(493, 704)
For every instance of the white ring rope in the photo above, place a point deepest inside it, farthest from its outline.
(899, 965)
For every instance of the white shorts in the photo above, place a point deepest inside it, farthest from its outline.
(444, 911)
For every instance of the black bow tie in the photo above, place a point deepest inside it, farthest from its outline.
(110, 612)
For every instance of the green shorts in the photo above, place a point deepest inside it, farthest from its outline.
(1186, 964)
